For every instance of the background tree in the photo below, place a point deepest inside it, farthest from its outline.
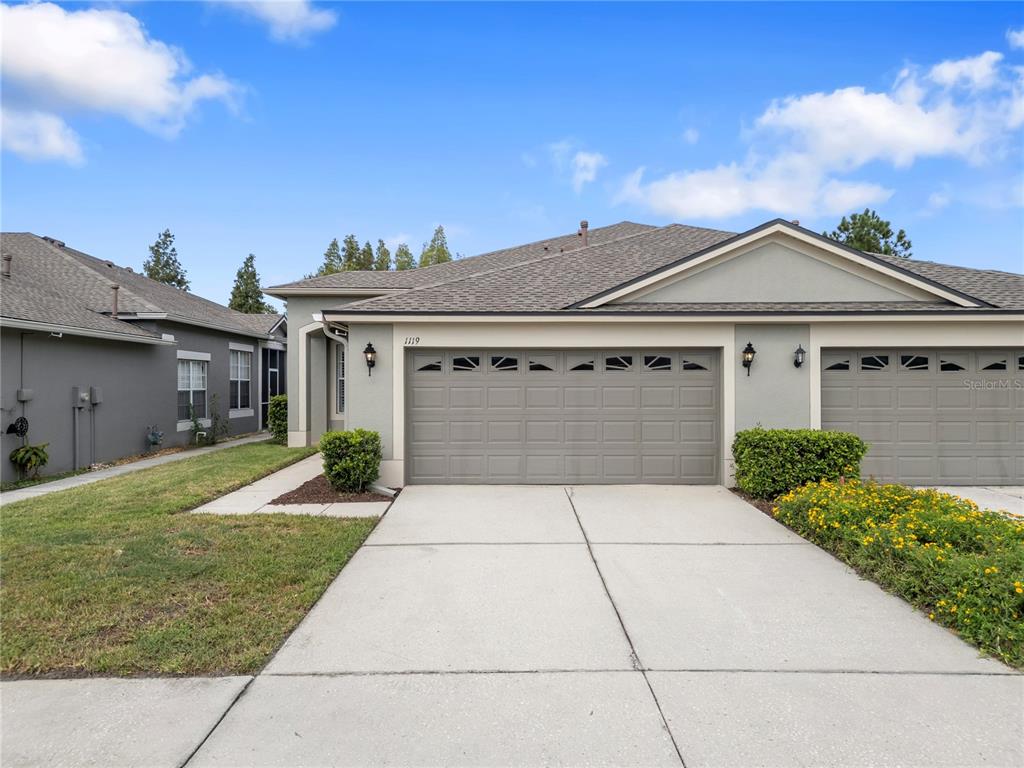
(870, 232)
(404, 258)
(350, 253)
(163, 265)
(246, 295)
(366, 256)
(382, 259)
(332, 260)
(436, 251)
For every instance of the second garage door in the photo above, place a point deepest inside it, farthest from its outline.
(555, 416)
(930, 416)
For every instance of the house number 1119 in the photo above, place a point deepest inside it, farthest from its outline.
(412, 341)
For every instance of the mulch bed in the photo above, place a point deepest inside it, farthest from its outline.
(319, 491)
(762, 504)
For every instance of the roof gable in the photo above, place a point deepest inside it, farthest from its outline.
(778, 269)
(867, 266)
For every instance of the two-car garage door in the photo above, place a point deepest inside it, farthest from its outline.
(557, 416)
(930, 416)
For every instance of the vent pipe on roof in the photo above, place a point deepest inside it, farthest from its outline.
(113, 312)
(795, 222)
(583, 231)
(6, 271)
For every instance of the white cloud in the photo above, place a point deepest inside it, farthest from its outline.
(979, 72)
(287, 20)
(394, 241)
(577, 165)
(691, 135)
(802, 147)
(585, 166)
(938, 200)
(1015, 37)
(57, 61)
(39, 136)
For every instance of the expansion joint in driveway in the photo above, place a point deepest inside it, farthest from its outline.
(633, 656)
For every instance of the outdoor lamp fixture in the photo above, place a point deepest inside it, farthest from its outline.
(748, 356)
(371, 358)
(798, 356)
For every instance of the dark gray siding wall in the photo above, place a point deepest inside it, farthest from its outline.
(139, 384)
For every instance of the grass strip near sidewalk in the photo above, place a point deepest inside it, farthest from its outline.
(962, 566)
(117, 578)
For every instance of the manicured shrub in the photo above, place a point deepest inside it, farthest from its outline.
(962, 566)
(351, 459)
(772, 461)
(277, 418)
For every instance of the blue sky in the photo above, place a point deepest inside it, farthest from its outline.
(273, 127)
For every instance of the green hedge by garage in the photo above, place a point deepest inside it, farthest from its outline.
(772, 461)
(351, 459)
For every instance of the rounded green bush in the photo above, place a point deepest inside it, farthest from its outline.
(351, 459)
(773, 461)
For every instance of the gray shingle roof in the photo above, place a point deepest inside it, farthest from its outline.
(82, 285)
(471, 265)
(555, 282)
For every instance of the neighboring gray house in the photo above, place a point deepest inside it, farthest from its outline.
(633, 354)
(97, 351)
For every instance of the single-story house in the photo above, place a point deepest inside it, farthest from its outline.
(633, 354)
(95, 356)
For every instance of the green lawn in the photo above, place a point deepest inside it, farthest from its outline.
(116, 578)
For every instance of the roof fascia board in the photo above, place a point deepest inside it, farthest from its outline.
(752, 316)
(766, 231)
(216, 327)
(31, 325)
(282, 293)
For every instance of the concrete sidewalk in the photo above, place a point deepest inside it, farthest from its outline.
(1001, 498)
(256, 497)
(9, 497)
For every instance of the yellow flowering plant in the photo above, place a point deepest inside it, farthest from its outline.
(961, 565)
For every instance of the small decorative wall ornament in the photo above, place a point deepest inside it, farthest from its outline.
(798, 356)
(748, 356)
(371, 358)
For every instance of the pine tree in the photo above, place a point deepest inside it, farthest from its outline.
(332, 260)
(404, 258)
(366, 256)
(436, 251)
(246, 295)
(382, 259)
(163, 265)
(350, 253)
(870, 232)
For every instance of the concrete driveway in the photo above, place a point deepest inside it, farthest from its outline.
(612, 626)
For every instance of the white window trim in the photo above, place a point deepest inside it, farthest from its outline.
(241, 413)
(335, 413)
(183, 355)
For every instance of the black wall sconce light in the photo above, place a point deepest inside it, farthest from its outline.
(748, 356)
(371, 358)
(798, 356)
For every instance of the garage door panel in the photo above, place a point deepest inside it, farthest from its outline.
(657, 397)
(543, 432)
(954, 423)
(504, 397)
(624, 416)
(914, 432)
(658, 432)
(466, 432)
